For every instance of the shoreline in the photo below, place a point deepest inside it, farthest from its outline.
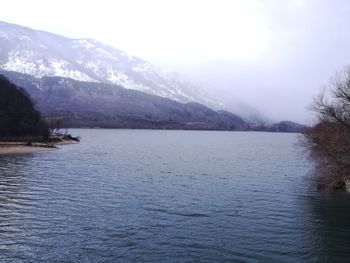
(21, 149)
(8, 148)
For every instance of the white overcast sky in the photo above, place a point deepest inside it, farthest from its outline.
(273, 54)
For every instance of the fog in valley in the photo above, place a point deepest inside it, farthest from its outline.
(271, 55)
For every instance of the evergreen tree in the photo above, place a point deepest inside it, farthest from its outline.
(18, 116)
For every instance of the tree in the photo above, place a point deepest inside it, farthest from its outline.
(18, 117)
(328, 141)
(55, 125)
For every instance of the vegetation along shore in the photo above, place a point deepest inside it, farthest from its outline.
(22, 129)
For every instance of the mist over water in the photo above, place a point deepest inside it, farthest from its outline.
(174, 196)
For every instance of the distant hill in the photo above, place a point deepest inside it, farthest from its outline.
(282, 126)
(17, 114)
(91, 104)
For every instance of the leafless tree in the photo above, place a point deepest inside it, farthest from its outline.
(55, 124)
(329, 140)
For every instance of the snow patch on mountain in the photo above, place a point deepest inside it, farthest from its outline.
(27, 62)
(121, 80)
(22, 61)
(65, 69)
(144, 67)
(3, 35)
(82, 43)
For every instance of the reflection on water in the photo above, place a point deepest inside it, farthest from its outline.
(174, 196)
(329, 223)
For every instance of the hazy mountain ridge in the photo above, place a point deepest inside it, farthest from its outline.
(91, 104)
(40, 54)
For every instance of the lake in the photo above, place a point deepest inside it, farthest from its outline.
(170, 196)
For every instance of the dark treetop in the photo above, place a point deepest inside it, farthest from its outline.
(18, 117)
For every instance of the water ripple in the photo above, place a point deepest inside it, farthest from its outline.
(169, 196)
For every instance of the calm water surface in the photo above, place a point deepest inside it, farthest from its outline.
(169, 196)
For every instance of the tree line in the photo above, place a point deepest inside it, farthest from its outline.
(18, 117)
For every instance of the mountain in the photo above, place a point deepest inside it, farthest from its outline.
(92, 104)
(78, 79)
(40, 54)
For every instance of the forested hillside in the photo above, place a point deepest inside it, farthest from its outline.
(18, 117)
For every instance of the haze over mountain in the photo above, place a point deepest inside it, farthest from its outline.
(92, 104)
(273, 55)
(40, 53)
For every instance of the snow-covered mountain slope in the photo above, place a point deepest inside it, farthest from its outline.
(40, 53)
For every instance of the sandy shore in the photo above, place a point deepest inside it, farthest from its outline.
(18, 149)
(66, 142)
(22, 147)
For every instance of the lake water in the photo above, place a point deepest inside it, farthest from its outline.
(170, 196)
